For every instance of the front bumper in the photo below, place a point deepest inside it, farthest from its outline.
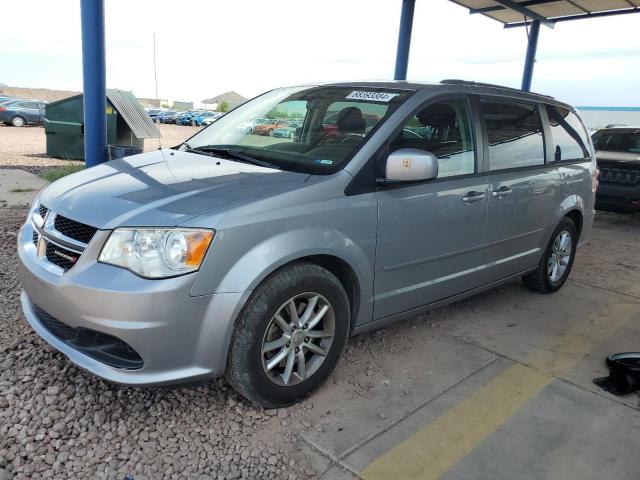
(180, 338)
(611, 196)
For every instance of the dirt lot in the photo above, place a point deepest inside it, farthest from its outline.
(497, 386)
(27, 146)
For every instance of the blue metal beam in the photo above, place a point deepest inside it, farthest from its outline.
(516, 7)
(497, 8)
(94, 82)
(584, 16)
(530, 59)
(404, 39)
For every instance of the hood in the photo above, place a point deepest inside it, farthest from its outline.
(161, 188)
(617, 156)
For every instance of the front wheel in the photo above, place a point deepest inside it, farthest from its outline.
(289, 336)
(556, 261)
(18, 121)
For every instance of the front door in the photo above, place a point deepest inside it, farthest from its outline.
(430, 234)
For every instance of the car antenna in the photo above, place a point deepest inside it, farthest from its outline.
(155, 77)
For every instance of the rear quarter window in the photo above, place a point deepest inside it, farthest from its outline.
(568, 135)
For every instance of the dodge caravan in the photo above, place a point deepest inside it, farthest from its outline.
(256, 257)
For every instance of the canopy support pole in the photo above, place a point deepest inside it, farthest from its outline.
(532, 47)
(94, 82)
(404, 39)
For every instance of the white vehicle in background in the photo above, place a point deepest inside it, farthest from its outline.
(209, 120)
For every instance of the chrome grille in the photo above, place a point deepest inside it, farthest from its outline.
(59, 241)
(60, 256)
(75, 230)
(619, 176)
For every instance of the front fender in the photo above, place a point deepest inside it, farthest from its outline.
(272, 253)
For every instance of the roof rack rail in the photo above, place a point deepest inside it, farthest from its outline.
(456, 81)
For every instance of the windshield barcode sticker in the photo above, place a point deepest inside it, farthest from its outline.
(374, 96)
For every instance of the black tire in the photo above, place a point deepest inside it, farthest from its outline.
(245, 370)
(539, 280)
(18, 121)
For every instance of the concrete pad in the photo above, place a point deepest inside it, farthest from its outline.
(611, 260)
(18, 188)
(385, 387)
(538, 323)
(563, 433)
(359, 459)
(338, 473)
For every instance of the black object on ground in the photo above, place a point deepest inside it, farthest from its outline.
(624, 374)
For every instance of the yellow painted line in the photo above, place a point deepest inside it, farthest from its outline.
(436, 448)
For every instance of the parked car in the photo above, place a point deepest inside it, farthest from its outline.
(256, 260)
(22, 112)
(269, 127)
(286, 131)
(618, 156)
(211, 118)
(155, 113)
(166, 117)
(185, 118)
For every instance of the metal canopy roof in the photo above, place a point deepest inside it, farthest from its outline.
(516, 13)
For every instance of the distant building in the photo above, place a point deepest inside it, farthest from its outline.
(176, 105)
(153, 102)
(599, 117)
(233, 99)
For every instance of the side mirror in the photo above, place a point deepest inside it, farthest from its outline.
(410, 165)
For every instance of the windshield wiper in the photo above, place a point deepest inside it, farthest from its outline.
(232, 155)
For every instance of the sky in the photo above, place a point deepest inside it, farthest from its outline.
(205, 48)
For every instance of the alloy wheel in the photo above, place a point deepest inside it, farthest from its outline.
(560, 256)
(298, 339)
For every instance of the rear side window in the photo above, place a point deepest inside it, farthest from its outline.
(33, 105)
(514, 133)
(569, 138)
(444, 129)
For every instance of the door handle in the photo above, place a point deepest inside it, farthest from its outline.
(473, 197)
(502, 192)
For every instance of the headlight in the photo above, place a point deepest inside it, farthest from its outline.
(157, 253)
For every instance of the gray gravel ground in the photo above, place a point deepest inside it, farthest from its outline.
(56, 421)
(27, 146)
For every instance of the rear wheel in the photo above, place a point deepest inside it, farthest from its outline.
(270, 132)
(557, 259)
(292, 135)
(18, 121)
(289, 336)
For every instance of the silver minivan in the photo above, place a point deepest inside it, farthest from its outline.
(256, 256)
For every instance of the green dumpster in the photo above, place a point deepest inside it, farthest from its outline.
(127, 124)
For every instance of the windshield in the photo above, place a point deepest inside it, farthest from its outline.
(305, 129)
(627, 141)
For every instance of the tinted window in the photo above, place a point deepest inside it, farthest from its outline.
(514, 133)
(26, 105)
(627, 141)
(444, 129)
(569, 138)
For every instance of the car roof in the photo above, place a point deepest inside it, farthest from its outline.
(468, 86)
